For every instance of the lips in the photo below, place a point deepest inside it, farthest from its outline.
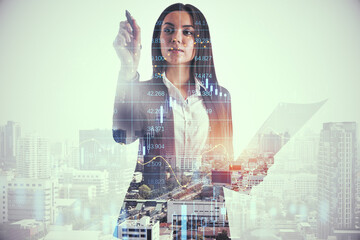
(176, 50)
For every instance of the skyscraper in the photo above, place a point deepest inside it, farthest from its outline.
(306, 149)
(33, 160)
(4, 178)
(336, 178)
(2, 145)
(9, 135)
(272, 142)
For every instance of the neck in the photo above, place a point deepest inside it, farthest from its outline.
(179, 76)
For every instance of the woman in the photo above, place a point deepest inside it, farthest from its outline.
(182, 116)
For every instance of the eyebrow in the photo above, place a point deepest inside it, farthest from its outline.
(182, 26)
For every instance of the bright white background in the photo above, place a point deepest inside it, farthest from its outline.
(58, 70)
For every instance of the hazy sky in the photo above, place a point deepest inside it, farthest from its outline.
(58, 69)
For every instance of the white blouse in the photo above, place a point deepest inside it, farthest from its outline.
(191, 126)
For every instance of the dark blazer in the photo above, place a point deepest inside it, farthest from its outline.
(143, 110)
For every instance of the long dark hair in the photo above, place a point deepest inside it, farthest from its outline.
(202, 66)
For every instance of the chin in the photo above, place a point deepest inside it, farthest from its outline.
(178, 62)
(175, 62)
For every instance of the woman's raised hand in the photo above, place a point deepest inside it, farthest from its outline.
(127, 45)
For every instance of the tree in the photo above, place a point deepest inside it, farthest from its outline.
(144, 191)
(170, 184)
(222, 236)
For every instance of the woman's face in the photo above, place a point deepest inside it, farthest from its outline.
(177, 38)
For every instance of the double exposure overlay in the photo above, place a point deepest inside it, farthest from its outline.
(164, 120)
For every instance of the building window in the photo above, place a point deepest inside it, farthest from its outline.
(133, 235)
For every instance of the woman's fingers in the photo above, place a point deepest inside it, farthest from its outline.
(131, 35)
(120, 41)
(136, 33)
(127, 45)
(125, 26)
(126, 35)
(125, 30)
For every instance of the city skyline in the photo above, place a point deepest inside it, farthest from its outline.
(314, 63)
(75, 183)
(297, 174)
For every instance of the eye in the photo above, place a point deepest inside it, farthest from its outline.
(188, 32)
(168, 30)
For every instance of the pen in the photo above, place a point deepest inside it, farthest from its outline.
(129, 19)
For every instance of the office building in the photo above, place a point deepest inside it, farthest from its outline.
(77, 191)
(336, 178)
(5, 177)
(33, 160)
(80, 182)
(139, 229)
(196, 211)
(269, 142)
(9, 135)
(2, 145)
(305, 186)
(30, 198)
(73, 157)
(306, 149)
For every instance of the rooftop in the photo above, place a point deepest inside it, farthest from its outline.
(143, 222)
(26, 223)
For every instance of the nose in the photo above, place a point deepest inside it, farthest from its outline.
(177, 37)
